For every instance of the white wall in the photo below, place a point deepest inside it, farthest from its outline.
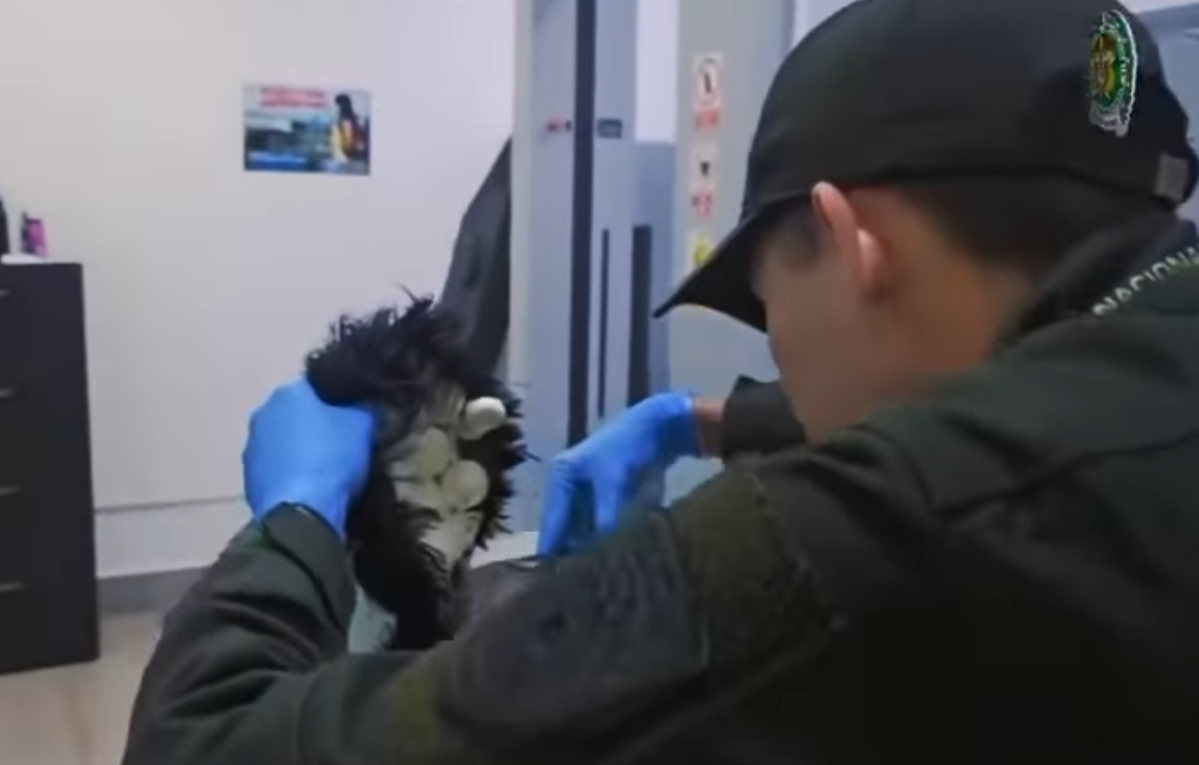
(120, 126)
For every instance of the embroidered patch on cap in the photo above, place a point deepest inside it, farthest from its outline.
(1112, 79)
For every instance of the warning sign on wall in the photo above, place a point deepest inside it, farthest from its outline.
(703, 179)
(701, 246)
(708, 98)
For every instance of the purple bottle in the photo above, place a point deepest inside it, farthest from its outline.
(33, 236)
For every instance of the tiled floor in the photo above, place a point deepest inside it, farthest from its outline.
(76, 715)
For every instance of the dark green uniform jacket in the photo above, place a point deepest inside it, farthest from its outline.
(1004, 572)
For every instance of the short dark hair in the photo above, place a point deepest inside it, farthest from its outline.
(1014, 221)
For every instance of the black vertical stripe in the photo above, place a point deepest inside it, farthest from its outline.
(640, 309)
(601, 383)
(582, 221)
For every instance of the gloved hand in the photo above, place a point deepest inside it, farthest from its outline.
(305, 452)
(592, 482)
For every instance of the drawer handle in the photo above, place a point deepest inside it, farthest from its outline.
(4, 293)
(11, 588)
(8, 491)
(7, 393)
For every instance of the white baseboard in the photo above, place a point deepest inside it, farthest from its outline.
(164, 538)
(147, 556)
(181, 537)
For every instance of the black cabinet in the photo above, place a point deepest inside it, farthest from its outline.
(48, 610)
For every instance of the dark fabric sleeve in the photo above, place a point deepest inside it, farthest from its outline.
(613, 640)
(758, 420)
(251, 667)
(642, 638)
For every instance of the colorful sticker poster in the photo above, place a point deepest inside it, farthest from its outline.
(708, 97)
(306, 130)
(703, 179)
(701, 247)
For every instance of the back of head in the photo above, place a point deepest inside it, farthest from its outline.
(1026, 223)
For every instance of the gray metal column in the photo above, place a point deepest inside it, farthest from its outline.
(745, 43)
(572, 220)
(542, 181)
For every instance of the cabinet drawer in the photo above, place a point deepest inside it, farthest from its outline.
(17, 422)
(27, 538)
(48, 610)
(44, 433)
(47, 525)
(46, 623)
(41, 317)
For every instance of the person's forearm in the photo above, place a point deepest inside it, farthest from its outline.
(709, 424)
(251, 665)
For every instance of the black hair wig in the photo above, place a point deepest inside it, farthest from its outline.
(410, 554)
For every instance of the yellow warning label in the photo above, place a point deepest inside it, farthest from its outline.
(701, 249)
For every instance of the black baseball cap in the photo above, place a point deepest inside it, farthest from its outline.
(894, 90)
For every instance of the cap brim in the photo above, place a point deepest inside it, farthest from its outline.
(723, 283)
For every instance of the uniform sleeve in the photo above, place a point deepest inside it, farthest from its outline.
(251, 667)
(758, 420)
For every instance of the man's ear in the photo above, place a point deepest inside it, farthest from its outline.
(848, 231)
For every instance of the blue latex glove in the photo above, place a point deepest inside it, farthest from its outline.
(591, 483)
(305, 452)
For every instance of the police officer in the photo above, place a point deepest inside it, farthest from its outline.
(960, 234)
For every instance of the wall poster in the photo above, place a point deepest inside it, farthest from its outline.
(306, 130)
